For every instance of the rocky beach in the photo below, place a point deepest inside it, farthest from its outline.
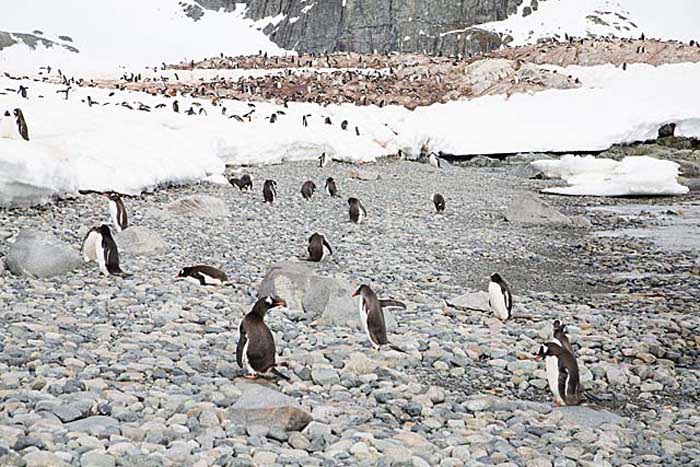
(140, 371)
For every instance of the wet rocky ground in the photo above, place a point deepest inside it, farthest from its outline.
(141, 371)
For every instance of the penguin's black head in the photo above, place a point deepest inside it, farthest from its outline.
(104, 230)
(361, 290)
(184, 272)
(114, 196)
(351, 201)
(329, 180)
(18, 113)
(495, 277)
(557, 326)
(265, 304)
(550, 349)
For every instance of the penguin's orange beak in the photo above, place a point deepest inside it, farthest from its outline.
(356, 293)
(280, 303)
(538, 357)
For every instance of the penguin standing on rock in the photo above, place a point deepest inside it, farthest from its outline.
(439, 202)
(331, 187)
(117, 211)
(256, 350)
(500, 298)
(372, 317)
(562, 374)
(322, 160)
(357, 211)
(434, 160)
(99, 242)
(270, 191)
(203, 275)
(318, 246)
(308, 189)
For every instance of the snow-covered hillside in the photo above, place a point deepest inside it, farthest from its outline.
(128, 33)
(666, 20)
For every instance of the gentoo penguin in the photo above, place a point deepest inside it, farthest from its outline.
(270, 191)
(357, 211)
(434, 160)
(308, 189)
(8, 127)
(562, 374)
(99, 240)
(21, 124)
(117, 211)
(203, 275)
(244, 183)
(500, 298)
(256, 351)
(322, 160)
(176, 106)
(331, 187)
(372, 317)
(344, 125)
(561, 338)
(317, 247)
(439, 202)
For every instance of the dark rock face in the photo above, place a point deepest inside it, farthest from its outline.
(366, 26)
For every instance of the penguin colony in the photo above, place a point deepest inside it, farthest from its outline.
(256, 352)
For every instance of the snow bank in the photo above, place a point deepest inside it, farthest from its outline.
(109, 147)
(612, 106)
(633, 176)
(133, 33)
(668, 20)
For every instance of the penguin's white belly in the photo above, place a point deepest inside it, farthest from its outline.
(89, 249)
(497, 301)
(552, 366)
(113, 215)
(360, 217)
(246, 363)
(363, 320)
(8, 128)
(208, 280)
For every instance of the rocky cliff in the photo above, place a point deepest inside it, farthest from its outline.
(423, 26)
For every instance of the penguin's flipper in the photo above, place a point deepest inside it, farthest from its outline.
(508, 298)
(278, 373)
(398, 349)
(394, 303)
(242, 340)
(563, 378)
(328, 246)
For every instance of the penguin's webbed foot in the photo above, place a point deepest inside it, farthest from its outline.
(251, 376)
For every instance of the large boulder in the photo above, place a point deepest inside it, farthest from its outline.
(198, 206)
(262, 406)
(478, 301)
(325, 299)
(40, 254)
(139, 240)
(528, 208)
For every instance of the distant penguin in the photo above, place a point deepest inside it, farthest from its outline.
(331, 187)
(244, 183)
(203, 275)
(270, 191)
(256, 350)
(328, 121)
(21, 125)
(318, 247)
(357, 211)
(500, 298)
(562, 374)
(99, 240)
(560, 337)
(117, 211)
(176, 106)
(439, 202)
(308, 189)
(372, 317)
(22, 91)
(434, 160)
(344, 125)
(322, 160)
(8, 127)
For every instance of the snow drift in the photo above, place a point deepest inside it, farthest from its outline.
(633, 176)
